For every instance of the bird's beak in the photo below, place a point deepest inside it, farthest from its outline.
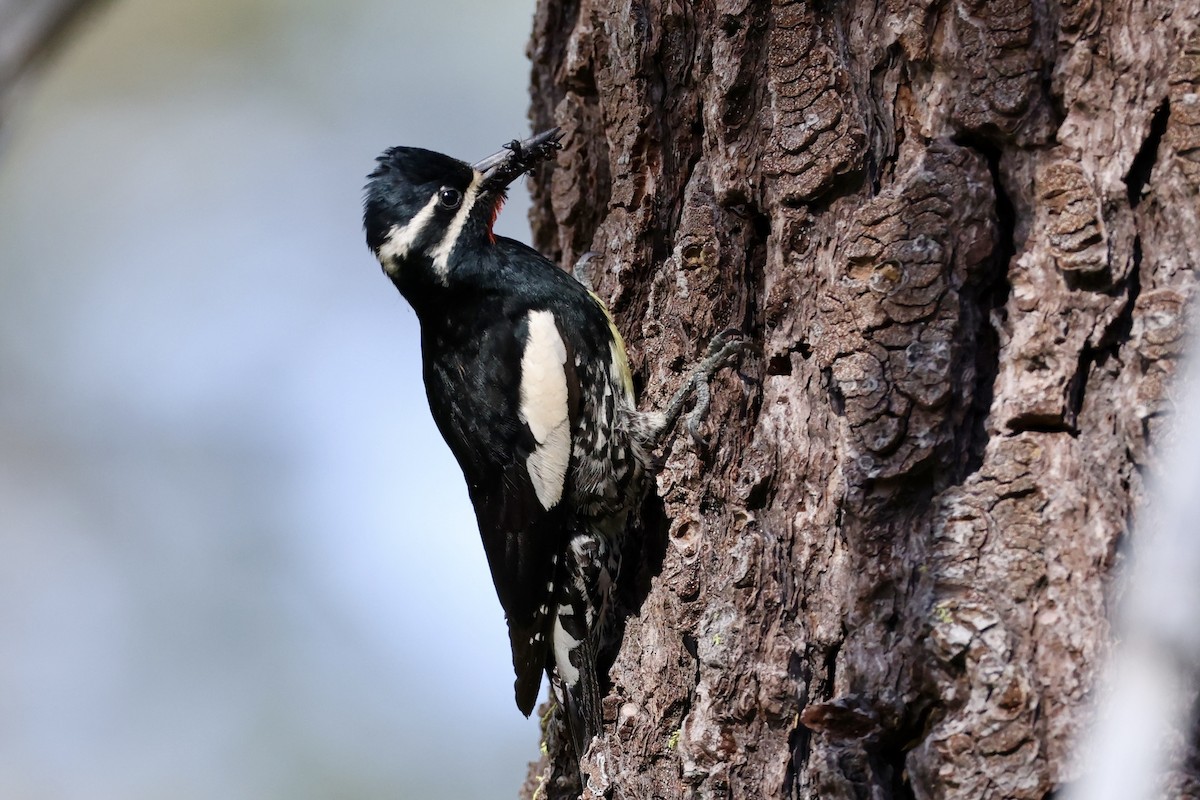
(518, 157)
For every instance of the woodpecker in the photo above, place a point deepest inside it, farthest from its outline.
(528, 381)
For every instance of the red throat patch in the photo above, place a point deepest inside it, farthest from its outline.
(499, 204)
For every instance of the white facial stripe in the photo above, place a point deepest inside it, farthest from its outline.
(544, 407)
(441, 254)
(401, 238)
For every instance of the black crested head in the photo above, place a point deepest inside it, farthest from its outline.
(425, 214)
(417, 165)
(404, 181)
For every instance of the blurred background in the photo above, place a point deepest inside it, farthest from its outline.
(237, 559)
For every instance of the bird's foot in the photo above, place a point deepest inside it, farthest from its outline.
(725, 348)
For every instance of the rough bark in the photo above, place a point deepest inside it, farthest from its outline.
(964, 234)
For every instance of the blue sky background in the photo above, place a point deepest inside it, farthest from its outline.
(238, 560)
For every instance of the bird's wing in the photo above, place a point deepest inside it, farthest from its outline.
(516, 455)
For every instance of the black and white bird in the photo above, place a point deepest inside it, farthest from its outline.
(529, 384)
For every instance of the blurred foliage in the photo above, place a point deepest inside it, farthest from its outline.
(239, 562)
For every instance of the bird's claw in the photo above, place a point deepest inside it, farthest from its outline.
(728, 341)
(699, 412)
(724, 348)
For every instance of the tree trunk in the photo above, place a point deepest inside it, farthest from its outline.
(963, 234)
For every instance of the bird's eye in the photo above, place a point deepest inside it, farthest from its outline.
(449, 198)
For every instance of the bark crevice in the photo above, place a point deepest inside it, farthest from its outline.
(1147, 156)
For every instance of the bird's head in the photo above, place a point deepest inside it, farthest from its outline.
(422, 206)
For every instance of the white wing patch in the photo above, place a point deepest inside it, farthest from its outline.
(401, 238)
(564, 643)
(441, 253)
(544, 406)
